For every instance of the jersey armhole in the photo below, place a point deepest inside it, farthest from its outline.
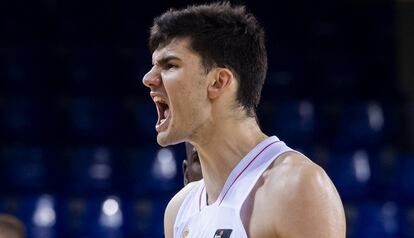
(186, 203)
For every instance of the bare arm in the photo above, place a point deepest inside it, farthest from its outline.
(172, 210)
(308, 205)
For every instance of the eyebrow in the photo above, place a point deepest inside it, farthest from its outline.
(166, 59)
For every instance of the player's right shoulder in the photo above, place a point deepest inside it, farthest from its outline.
(173, 207)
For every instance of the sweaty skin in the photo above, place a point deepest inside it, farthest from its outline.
(294, 198)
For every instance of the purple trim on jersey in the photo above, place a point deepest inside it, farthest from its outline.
(244, 169)
(251, 161)
(199, 199)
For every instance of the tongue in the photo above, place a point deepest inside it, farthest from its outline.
(166, 113)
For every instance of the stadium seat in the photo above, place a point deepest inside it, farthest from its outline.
(337, 74)
(24, 68)
(91, 169)
(96, 120)
(91, 216)
(294, 122)
(372, 220)
(89, 68)
(144, 217)
(26, 168)
(28, 119)
(286, 77)
(152, 171)
(362, 125)
(351, 172)
(36, 211)
(404, 178)
(407, 222)
(39, 215)
(10, 204)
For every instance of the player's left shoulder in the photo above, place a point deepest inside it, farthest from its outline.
(300, 173)
(303, 198)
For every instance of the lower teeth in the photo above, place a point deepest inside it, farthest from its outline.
(162, 121)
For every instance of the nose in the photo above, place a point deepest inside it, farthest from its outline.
(152, 78)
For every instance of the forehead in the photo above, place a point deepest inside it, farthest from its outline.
(178, 47)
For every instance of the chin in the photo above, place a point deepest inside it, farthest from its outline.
(162, 140)
(162, 143)
(166, 138)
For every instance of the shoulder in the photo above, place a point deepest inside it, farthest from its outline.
(304, 198)
(173, 207)
(299, 173)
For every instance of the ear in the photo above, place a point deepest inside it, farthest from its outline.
(185, 172)
(222, 80)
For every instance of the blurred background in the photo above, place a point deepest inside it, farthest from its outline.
(78, 155)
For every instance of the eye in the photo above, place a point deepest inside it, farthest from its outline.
(170, 66)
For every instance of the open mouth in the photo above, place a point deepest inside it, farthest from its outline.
(163, 110)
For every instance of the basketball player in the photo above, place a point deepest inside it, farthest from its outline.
(209, 66)
(191, 165)
(11, 227)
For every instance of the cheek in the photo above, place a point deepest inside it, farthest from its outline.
(186, 94)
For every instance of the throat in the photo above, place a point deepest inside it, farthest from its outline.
(221, 146)
(222, 164)
(215, 178)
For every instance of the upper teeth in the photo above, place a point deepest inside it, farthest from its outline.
(158, 99)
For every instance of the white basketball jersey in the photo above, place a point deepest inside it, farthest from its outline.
(221, 219)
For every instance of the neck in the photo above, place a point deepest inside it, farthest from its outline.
(221, 146)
